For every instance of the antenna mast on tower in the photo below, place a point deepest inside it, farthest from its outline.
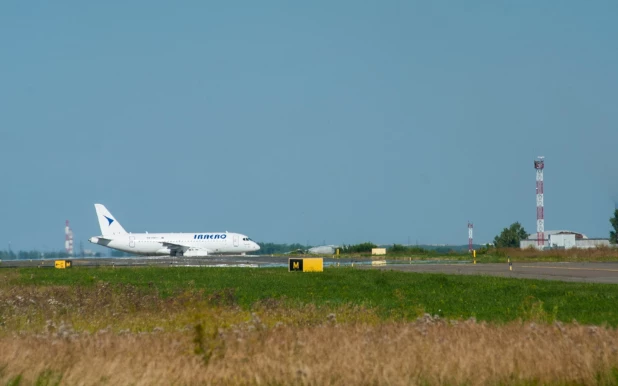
(470, 229)
(539, 165)
(68, 239)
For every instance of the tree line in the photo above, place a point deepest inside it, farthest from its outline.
(31, 255)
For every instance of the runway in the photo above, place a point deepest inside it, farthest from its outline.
(579, 272)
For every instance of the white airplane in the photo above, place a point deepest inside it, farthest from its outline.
(323, 250)
(114, 236)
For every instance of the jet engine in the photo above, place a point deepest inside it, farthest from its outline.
(195, 252)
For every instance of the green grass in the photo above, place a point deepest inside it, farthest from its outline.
(398, 295)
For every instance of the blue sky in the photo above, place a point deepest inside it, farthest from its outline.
(340, 121)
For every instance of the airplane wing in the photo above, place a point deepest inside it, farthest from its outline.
(185, 250)
(175, 247)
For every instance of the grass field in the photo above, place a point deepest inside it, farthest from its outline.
(268, 326)
(391, 295)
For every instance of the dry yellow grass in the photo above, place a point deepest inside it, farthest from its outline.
(427, 351)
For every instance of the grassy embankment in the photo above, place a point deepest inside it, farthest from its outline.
(343, 326)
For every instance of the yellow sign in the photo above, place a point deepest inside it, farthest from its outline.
(314, 264)
(62, 264)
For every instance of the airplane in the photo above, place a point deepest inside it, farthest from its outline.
(197, 244)
(323, 250)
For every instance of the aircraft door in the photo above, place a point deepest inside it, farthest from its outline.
(132, 241)
(236, 240)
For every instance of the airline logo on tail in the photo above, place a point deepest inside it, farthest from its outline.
(108, 224)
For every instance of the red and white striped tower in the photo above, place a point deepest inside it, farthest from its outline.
(539, 165)
(68, 239)
(470, 229)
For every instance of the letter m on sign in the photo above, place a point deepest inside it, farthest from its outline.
(295, 265)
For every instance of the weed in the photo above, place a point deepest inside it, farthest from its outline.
(207, 345)
(224, 297)
(48, 378)
(532, 309)
(15, 381)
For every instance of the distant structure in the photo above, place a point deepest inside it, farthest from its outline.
(564, 239)
(470, 229)
(323, 250)
(554, 239)
(539, 165)
(68, 239)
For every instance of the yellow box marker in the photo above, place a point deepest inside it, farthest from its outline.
(62, 264)
(378, 262)
(307, 264)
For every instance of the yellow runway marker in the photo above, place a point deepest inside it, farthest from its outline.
(574, 269)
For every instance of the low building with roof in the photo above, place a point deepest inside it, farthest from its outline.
(563, 239)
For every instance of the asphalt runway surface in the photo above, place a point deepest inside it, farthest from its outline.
(579, 272)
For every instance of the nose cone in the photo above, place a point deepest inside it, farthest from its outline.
(256, 247)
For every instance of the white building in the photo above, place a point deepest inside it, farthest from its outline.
(563, 239)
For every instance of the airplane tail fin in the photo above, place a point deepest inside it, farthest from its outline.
(108, 224)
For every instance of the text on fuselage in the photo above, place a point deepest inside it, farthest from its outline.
(200, 237)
